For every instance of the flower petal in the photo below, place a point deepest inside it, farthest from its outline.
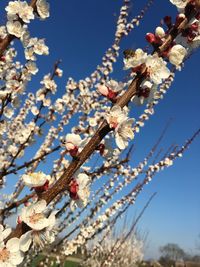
(16, 258)
(25, 241)
(13, 244)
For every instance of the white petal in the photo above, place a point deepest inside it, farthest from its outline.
(25, 241)
(72, 205)
(41, 224)
(6, 233)
(52, 218)
(120, 142)
(40, 206)
(16, 258)
(83, 179)
(5, 264)
(1, 228)
(13, 244)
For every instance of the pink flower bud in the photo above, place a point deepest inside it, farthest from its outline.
(194, 26)
(70, 146)
(103, 89)
(19, 220)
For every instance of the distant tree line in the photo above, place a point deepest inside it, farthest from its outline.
(171, 253)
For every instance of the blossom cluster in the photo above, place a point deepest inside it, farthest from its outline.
(88, 101)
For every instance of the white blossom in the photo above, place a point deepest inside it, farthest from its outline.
(42, 8)
(116, 116)
(39, 238)
(34, 215)
(4, 233)
(72, 141)
(3, 32)
(177, 54)
(59, 72)
(4, 93)
(20, 8)
(8, 112)
(35, 110)
(123, 133)
(35, 179)
(29, 54)
(14, 28)
(180, 3)
(157, 69)
(146, 93)
(110, 87)
(114, 85)
(49, 83)
(136, 60)
(10, 254)
(40, 48)
(31, 67)
(79, 191)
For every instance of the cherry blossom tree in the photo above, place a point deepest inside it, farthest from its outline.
(59, 213)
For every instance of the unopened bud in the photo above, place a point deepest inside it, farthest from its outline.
(111, 95)
(19, 220)
(150, 37)
(168, 21)
(195, 26)
(180, 18)
(103, 89)
(160, 32)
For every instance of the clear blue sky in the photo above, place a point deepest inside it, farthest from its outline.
(79, 32)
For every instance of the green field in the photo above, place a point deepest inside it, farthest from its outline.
(67, 263)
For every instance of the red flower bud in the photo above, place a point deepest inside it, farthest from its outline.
(191, 36)
(101, 148)
(26, 204)
(194, 26)
(144, 92)
(73, 189)
(42, 188)
(151, 38)
(168, 21)
(73, 152)
(111, 95)
(3, 59)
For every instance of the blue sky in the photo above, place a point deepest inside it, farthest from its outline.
(79, 32)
